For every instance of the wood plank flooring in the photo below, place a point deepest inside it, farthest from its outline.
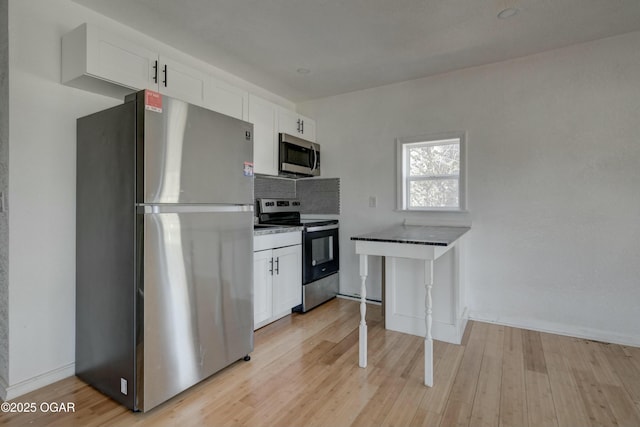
(304, 371)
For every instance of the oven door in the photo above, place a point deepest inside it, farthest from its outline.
(321, 253)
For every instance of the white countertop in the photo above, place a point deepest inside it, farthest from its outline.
(416, 235)
(276, 229)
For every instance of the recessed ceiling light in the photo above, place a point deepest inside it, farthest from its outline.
(303, 71)
(508, 13)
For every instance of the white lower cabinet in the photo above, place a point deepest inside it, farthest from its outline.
(262, 287)
(287, 279)
(277, 283)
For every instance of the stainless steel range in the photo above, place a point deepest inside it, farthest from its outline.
(320, 249)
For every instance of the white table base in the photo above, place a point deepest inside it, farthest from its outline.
(428, 340)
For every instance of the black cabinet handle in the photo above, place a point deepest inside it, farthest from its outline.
(271, 266)
(301, 126)
(278, 265)
(298, 128)
(155, 72)
(165, 75)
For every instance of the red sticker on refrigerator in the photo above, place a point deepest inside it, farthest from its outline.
(248, 169)
(152, 101)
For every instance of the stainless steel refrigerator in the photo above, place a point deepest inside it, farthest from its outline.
(164, 277)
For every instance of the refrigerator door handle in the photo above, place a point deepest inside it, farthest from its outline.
(171, 208)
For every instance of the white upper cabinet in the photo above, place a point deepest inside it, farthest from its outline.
(180, 81)
(296, 124)
(98, 61)
(264, 116)
(227, 99)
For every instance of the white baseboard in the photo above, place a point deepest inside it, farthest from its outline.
(440, 331)
(357, 298)
(451, 333)
(11, 392)
(537, 325)
(558, 329)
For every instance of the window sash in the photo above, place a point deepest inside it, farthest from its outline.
(409, 147)
(408, 194)
(404, 180)
(431, 177)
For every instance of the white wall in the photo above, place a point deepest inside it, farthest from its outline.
(42, 146)
(42, 193)
(4, 184)
(553, 175)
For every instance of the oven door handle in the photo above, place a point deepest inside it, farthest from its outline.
(322, 228)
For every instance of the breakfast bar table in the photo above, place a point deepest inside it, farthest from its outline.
(426, 243)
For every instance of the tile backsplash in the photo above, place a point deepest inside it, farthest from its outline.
(265, 187)
(317, 195)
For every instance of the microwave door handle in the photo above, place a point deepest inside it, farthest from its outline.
(315, 158)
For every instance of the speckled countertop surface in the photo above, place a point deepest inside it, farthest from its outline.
(416, 235)
(275, 229)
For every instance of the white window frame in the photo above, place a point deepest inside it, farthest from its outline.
(403, 143)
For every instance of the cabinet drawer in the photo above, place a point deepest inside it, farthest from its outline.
(276, 240)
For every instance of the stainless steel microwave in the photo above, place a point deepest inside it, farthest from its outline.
(298, 157)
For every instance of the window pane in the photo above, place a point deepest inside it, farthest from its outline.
(434, 160)
(438, 193)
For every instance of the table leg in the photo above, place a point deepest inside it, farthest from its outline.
(363, 312)
(428, 340)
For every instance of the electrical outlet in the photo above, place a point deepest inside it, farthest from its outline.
(123, 386)
(1, 201)
(373, 201)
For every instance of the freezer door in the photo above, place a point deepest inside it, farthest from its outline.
(197, 296)
(195, 155)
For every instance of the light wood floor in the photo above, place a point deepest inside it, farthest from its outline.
(304, 372)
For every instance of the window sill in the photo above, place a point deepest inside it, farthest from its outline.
(454, 211)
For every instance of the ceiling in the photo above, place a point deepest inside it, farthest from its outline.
(349, 45)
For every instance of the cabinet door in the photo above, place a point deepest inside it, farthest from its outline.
(262, 288)
(308, 128)
(297, 125)
(289, 122)
(227, 99)
(182, 82)
(97, 60)
(287, 279)
(264, 116)
(120, 60)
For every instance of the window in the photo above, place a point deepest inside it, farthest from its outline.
(431, 172)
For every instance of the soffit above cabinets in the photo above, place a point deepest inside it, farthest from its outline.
(307, 49)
